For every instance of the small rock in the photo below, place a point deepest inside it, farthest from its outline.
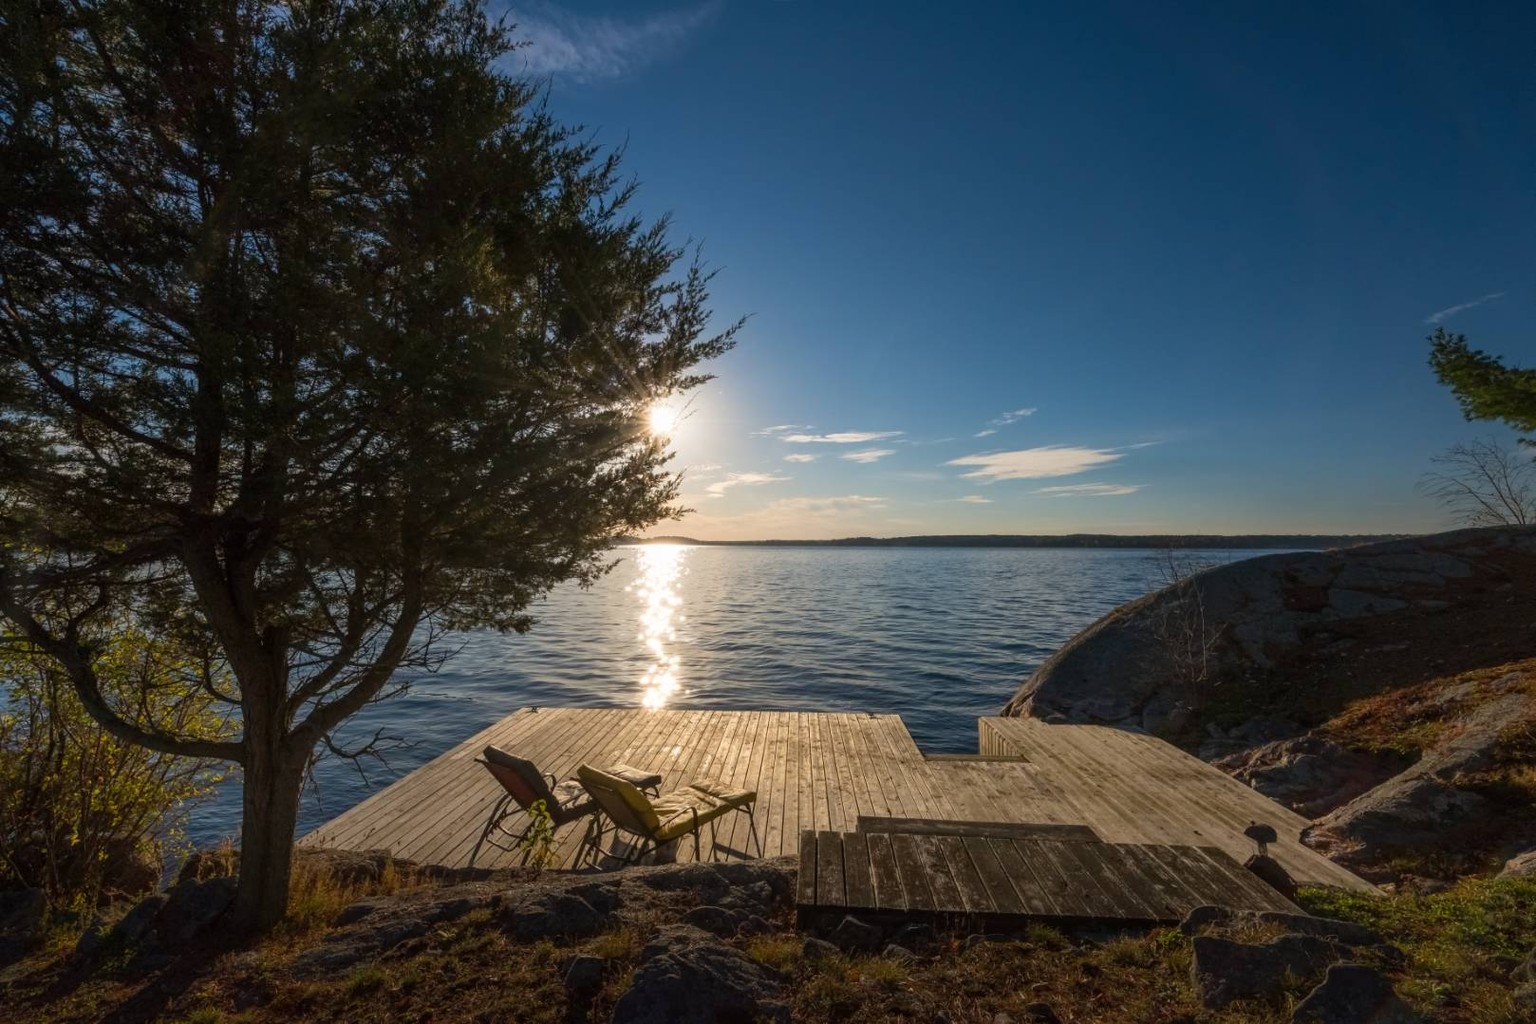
(1002, 1018)
(1040, 1013)
(1352, 993)
(899, 954)
(703, 984)
(133, 927)
(818, 949)
(673, 937)
(1224, 970)
(555, 915)
(1418, 885)
(755, 925)
(715, 920)
(603, 897)
(1204, 915)
(856, 936)
(584, 976)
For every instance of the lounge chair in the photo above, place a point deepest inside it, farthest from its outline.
(663, 819)
(565, 801)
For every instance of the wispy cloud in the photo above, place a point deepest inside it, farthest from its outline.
(780, 430)
(1449, 311)
(975, 499)
(847, 437)
(719, 487)
(801, 457)
(869, 454)
(984, 433)
(1090, 490)
(1032, 463)
(1012, 416)
(591, 47)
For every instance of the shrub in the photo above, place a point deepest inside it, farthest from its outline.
(84, 816)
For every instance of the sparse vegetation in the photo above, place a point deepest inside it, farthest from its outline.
(1458, 945)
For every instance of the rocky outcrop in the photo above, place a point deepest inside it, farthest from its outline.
(1427, 805)
(1229, 965)
(1314, 773)
(1149, 663)
(562, 908)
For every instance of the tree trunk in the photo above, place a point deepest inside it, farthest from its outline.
(271, 808)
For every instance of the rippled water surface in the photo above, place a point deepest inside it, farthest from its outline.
(939, 636)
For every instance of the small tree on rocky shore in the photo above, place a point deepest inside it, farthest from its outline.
(1484, 483)
(1187, 640)
(318, 337)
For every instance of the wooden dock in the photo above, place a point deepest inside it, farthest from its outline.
(997, 881)
(821, 772)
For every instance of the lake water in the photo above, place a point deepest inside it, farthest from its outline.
(939, 636)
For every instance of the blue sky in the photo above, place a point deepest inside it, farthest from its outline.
(1026, 268)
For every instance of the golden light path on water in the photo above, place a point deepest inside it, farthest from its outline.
(657, 587)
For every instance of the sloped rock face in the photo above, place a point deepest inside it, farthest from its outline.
(1426, 805)
(1131, 668)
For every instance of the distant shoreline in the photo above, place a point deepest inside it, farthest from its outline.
(1294, 542)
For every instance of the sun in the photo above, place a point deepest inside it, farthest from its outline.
(662, 418)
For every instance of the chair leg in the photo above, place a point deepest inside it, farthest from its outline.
(752, 827)
(498, 815)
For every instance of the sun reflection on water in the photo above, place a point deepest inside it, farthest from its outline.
(661, 566)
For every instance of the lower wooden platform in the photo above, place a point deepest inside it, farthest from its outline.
(821, 771)
(998, 881)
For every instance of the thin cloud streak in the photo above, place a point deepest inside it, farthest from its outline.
(719, 487)
(975, 499)
(801, 457)
(1444, 314)
(869, 455)
(984, 433)
(847, 437)
(1033, 463)
(590, 47)
(1089, 490)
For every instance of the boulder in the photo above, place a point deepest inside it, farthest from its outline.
(1352, 993)
(190, 908)
(1522, 865)
(1224, 970)
(702, 984)
(584, 976)
(553, 915)
(856, 936)
(1122, 671)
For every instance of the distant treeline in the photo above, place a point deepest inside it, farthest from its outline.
(1294, 541)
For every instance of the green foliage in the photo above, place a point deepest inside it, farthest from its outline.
(538, 843)
(321, 338)
(1484, 386)
(1453, 939)
(80, 811)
